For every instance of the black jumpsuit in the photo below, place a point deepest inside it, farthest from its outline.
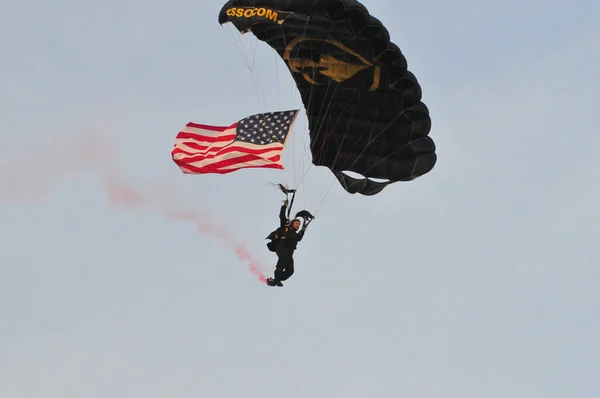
(288, 240)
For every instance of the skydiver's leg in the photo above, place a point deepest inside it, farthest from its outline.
(284, 269)
(279, 267)
(288, 270)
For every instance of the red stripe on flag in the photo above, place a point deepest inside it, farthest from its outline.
(219, 167)
(211, 128)
(205, 138)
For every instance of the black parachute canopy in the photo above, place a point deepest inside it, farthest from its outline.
(363, 106)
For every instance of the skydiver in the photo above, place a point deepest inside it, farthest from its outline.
(284, 242)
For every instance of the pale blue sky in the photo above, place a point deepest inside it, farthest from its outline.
(480, 279)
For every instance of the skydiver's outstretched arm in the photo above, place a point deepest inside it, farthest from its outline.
(303, 230)
(282, 217)
(305, 225)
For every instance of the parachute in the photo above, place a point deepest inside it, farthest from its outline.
(363, 105)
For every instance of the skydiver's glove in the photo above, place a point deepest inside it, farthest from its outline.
(305, 225)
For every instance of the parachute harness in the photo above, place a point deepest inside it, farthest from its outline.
(293, 191)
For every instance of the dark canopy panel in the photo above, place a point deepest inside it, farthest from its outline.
(364, 107)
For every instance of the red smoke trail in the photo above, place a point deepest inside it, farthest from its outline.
(30, 180)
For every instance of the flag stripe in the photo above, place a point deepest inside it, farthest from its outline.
(191, 125)
(239, 156)
(223, 150)
(210, 170)
(229, 165)
(226, 162)
(192, 147)
(196, 137)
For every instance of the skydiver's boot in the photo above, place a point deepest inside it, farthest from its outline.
(278, 283)
(270, 282)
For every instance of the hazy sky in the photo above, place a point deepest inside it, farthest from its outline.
(480, 279)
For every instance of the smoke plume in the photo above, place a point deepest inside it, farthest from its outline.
(52, 163)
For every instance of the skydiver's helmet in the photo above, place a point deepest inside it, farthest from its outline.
(295, 220)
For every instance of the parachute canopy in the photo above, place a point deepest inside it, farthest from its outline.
(364, 107)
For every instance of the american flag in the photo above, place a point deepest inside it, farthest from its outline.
(255, 141)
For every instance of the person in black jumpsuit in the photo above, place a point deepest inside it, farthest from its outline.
(286, 240)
